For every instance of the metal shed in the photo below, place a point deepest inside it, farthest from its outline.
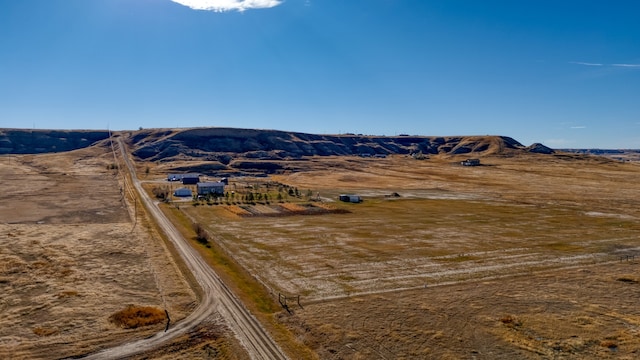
(182, 192)
(190, 179)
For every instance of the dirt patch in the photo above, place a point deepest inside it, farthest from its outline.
(282, 209)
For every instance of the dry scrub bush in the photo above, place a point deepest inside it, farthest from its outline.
(160, 192)
(510, 321)
(201, 233)
(137, 316)
(609, 344)
(627, 279)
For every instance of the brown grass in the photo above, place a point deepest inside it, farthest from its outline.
(236, 210)
(67, 293)
(628, 279)
(611, 344)
(511, 237)
(516, 212)
(292, 207)
(510, 320)
(70, 257)
(40, 331)
(133, 316)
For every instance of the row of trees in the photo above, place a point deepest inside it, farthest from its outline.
(250, 197)
(251, 194)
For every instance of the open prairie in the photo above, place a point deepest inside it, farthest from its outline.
(525, 256)
(522, 257)
(71, 256)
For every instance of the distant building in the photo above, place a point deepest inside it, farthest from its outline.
(190, 179)
(205, 188)
(182, 192)
(350, 198)
(470, 162)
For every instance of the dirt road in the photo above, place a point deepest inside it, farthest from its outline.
(216, 297)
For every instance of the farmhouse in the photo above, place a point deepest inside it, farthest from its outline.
(182, 192)
(205, 188)
(350, 198)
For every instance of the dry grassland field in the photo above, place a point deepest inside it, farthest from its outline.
(71, 257)
(532, 256)
(523, 257)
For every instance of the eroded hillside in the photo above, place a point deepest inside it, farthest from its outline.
(27, 141)
(225, 144)
(230, 151)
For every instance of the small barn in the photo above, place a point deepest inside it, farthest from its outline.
(205, 188)
(182, 192)
(190, 179)
(350, 198)
(174, 177)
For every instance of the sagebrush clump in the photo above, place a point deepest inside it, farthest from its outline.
(133, 317)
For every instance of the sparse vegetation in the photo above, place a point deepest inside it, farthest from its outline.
(67, 294)
(627, 280)
(161, 192)
(41, 331)
(611, 344)
(201, 234)
(447, 227)
(510, 321)
(133, 317)
(427, 275)
(70, 254)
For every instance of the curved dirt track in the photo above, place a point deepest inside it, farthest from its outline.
(216, 297)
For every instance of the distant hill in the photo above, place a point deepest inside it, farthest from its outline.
(25, 141)
(614, 154)
(224, 144)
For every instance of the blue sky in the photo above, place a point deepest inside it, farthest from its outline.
(565, 73)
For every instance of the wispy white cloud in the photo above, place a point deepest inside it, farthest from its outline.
(578, 127)
(585, 63)
(627, 65)
(228, 5)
